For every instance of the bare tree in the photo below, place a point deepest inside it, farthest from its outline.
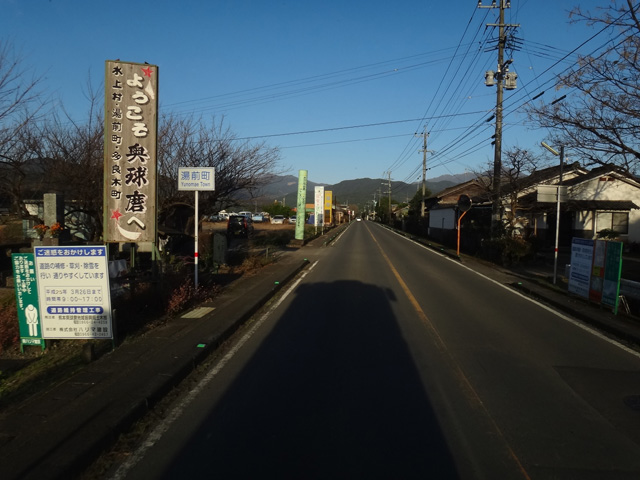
(600, 121)
(72, 161)
(21, 103)
(518, 168)
(19, 89)
(19, 168)
(240, 166)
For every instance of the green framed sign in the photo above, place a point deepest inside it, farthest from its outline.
(26, 288)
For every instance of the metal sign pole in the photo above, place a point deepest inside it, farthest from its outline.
(196, 179)
(195, 255)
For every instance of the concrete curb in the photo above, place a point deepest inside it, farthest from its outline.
(600, 318)
(59, 433)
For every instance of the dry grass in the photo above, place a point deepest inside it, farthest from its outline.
(26, 373)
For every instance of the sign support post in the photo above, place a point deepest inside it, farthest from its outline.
(195, 236)
(196, 179)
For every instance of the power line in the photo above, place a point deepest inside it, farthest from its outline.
(331, 129)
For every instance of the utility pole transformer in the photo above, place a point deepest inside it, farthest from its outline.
(501, 78)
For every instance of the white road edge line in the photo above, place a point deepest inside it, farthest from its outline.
(339, 237)
(157, 433)
(558, 314)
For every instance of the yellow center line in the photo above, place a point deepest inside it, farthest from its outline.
(470, 392)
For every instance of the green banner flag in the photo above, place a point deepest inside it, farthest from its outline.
(301, 206)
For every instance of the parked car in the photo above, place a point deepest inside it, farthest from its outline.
(239, 226)
(292, 219)
(245, 214)
(277, 220)
(214, 218)
(257, 217)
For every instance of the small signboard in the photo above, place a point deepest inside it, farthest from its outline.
(24, 281)
(196, 178)
(581, 262)
(318, 206)
(596, 268)
(549, 193)
(73, 289)
(597, 271)
(612, 274)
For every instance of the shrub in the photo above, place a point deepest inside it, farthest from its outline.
(180, 298)
(608, 234)
(507, 250)
(9, 327)
(186, 295)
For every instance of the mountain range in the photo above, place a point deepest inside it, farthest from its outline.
(352, 192)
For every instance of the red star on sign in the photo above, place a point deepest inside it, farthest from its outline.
(147, 72)
(116, 214)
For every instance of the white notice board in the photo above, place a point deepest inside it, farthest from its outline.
(73, 292)
(196, 178)
(581, 263)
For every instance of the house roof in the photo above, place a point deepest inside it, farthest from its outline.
(473, 188)
(549, 175)
(573, 174)
(604, 171)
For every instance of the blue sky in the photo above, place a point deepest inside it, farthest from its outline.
(342, 87)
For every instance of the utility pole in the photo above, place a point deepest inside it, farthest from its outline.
(424, 170)
(501, 78)
(390, 219)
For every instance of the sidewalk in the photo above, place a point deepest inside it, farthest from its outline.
(57, 433)
(536, 282)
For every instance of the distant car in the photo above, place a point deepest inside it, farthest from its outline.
(245, 214)
(214, 218)
(239, 226)
(277, 220)
(257, 217)
(292, 219)
(358, 219)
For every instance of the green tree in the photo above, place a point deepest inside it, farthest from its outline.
(277, 208)
(415, 204)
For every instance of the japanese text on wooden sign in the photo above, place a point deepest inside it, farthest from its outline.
(130, 166)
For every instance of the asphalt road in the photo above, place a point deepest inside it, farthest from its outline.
(388, 360)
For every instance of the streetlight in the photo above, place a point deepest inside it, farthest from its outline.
(555, 255)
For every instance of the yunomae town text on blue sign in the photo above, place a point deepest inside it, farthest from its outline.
(196, 178)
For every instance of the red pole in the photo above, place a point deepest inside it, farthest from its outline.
(459, 220)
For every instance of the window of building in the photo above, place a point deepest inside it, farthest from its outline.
(616, 221)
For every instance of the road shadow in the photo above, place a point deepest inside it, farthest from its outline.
(331, 392)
